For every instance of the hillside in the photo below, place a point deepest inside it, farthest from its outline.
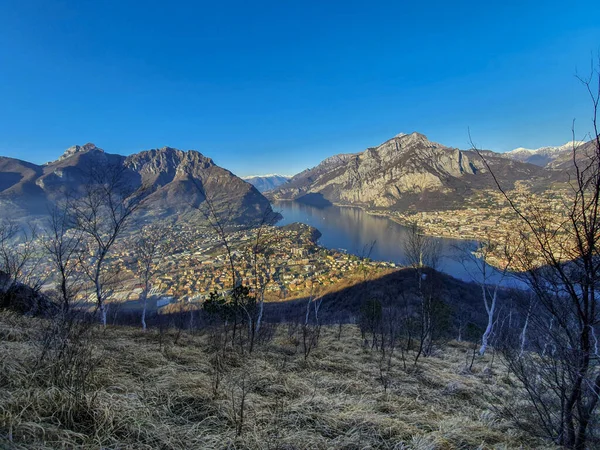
(176, 181)
(169, 390)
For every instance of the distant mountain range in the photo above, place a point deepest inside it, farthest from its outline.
(405, 172)
(544, 156)
(175, 180)
(411, 172)
(266, 182)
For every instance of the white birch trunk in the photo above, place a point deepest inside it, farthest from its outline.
(99, 296)
(260, 311)
(524, 336)
(307, 310)
(490, 324)
(144, 312)
(145, 294)
(103, 314)
(549, 331)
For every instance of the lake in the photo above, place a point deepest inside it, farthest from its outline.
(353, 230)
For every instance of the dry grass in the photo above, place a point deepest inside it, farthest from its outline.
(145, 397)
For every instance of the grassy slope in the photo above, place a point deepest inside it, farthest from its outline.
(151, 398)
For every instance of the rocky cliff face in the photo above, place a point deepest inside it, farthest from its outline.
(181, 178)
(176, 180)
(406, 165)
(407, 171)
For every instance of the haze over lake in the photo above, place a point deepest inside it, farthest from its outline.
(353, 230)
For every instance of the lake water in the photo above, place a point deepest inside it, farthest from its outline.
(353, 230)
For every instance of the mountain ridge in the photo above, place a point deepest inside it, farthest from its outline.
(177, 181)
(266, 183)
(543, 156)
(249, 177)
(406, 171)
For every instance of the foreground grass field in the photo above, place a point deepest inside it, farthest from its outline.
(171, 392)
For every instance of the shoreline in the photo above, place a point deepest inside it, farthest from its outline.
(457, 236)
(391, 217)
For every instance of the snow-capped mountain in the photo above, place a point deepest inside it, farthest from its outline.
(543, 156)
(266, 182)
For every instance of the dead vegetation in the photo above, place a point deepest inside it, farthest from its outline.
(143, 390)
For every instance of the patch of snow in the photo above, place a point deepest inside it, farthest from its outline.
(545, 150)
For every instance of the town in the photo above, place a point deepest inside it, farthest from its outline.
(195, 263)
(489, 217)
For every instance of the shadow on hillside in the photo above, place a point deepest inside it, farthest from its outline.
(398, 288)
(393, 289)
(314, 199)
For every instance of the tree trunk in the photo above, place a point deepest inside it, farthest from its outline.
(103, 313)
(144, 312)
(490, 326)
(261, 307)
(524, 336)
(65, 293)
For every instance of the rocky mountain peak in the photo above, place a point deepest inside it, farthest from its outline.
(171, 176)
(414, 138)
(405, 140)
(397, 173)
(168, 159)
(78, 149)
(188, 156)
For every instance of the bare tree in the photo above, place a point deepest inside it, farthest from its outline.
(311, 329)
(101, 213)
(477, 265)
(260, 256)
(219, 217)
(63, 245)
(523, 335)
(561, 263)
(423, 251)
(420, 250)
(220, 222)
(148, 251)
(19, 258)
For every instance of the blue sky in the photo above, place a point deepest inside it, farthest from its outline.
(277, 86)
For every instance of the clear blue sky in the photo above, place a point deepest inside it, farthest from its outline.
(276, 86)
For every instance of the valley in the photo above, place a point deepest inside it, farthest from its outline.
(448, 193)
(306, 225)
(194, 264)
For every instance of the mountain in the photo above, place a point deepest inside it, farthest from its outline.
(175, 180)
(543, 156)
(266, 182)
(405, 171)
